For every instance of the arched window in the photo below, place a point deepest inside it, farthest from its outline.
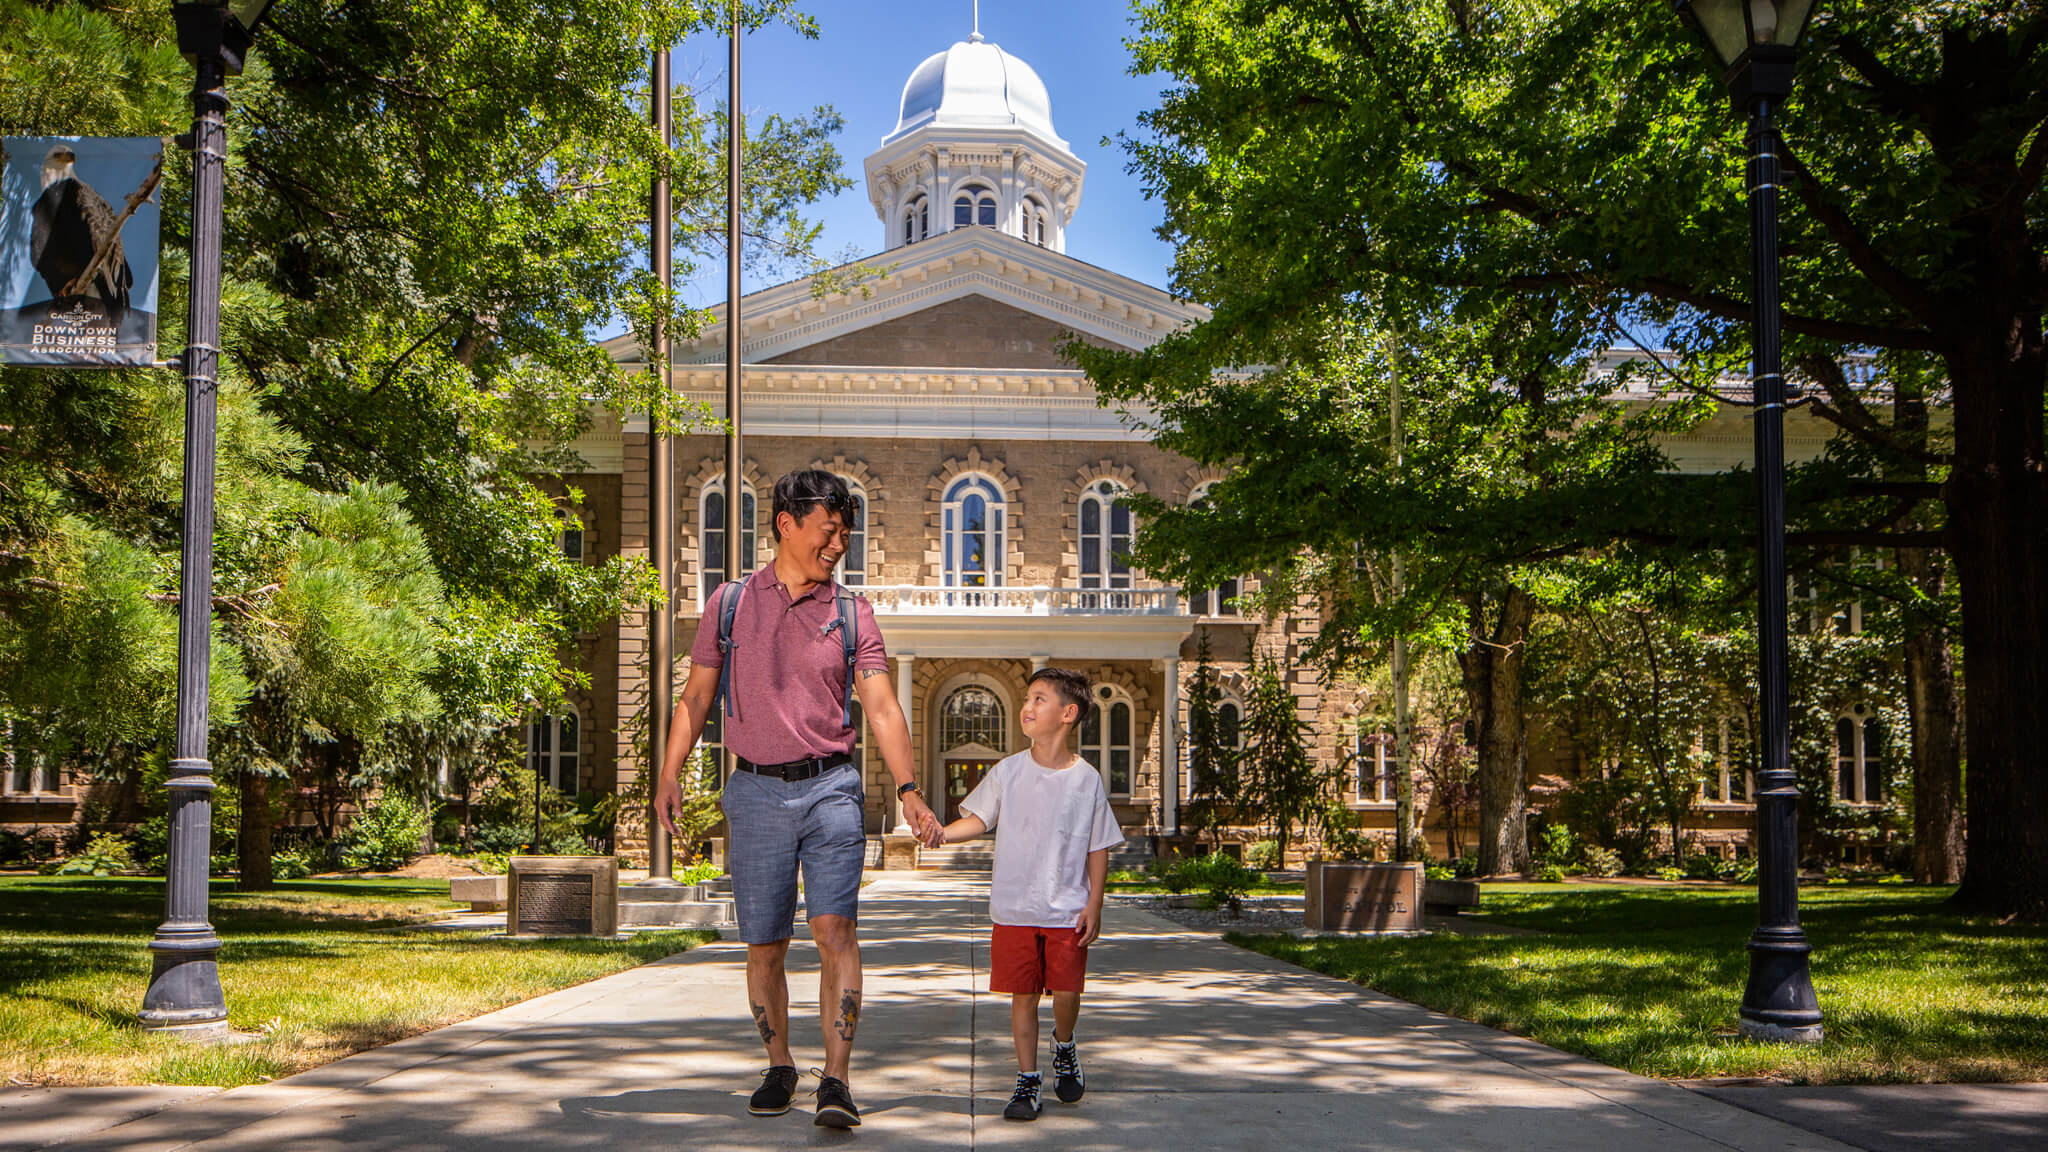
(571, 535)
(711, 540)
(974, 206)
(551, 745)
(1105, 537)
(971, 532)
(1859, 758)
(1106, 739)
(973, 715)
(1230, 729)
(917, 220)
(1374, 764)
(853, 567)
(1222, 599)
(1035, 227)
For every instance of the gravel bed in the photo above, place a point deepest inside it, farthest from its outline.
(1261, 914)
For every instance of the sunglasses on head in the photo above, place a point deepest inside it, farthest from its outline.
(835, 502)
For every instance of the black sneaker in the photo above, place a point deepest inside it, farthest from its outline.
(1066, 1070)
(835, 1104)
(778, 1084)
(1024, 1103)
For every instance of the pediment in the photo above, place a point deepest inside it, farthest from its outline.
(969, 298)
(971, 331)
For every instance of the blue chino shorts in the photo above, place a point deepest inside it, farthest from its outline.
(776, 827)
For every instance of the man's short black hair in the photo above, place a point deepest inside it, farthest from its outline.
(796, 492)
(1072, 686)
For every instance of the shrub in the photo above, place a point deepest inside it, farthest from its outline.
(1667, 872)
(1348, 844)
(386, 836)
(1700, 866)
(1223, 880)
(698, 871)
(295, 863)
(1170, 874)
(152, 840)
(492, 863)
(1556, 845)
(1600, 861)
(1263, 855)
(222, 863)
(107, 854)
(15, 849)
(1438, 872)
(1550, 873)
(1739, 871)
(1465, 867)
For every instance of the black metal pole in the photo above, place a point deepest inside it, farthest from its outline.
(1779, 1001)
(661, 500)
(184, 985)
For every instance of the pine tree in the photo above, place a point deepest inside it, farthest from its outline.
(1281, 782)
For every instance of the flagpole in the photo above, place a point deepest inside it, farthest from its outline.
(661, 618)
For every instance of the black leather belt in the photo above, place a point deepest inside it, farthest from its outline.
(796, 769)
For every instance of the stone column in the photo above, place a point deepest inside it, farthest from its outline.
(905, 669)
(1169, 748)
(629, 727)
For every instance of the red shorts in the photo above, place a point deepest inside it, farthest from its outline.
(1029, 960)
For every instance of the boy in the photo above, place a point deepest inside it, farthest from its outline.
(1054, 830)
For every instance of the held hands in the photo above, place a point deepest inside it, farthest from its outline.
(923, 824)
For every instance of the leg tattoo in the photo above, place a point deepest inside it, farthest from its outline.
(761, 1022)
(849, 1014)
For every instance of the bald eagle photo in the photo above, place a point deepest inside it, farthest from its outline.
(72, 224)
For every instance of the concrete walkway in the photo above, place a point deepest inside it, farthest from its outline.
(1188, 1044)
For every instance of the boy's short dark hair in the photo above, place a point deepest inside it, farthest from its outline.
(1072, 686)
(796, 492)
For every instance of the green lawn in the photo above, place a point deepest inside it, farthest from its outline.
(1649, 979)
(321, 968)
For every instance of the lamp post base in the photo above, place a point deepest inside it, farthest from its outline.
(211, 1032)
(1779, 1004)
(1779, 1034)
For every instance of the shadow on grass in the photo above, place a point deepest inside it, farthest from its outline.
(1650, 980)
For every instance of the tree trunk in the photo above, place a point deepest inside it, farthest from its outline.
(252, 841)
(1936, 712)
(1997, 500)
(1492, 668)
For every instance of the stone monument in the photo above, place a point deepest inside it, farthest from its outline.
(563, 896)
(1363, 898)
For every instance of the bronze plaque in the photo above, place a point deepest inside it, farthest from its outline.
(1364, 898)
(556, 904)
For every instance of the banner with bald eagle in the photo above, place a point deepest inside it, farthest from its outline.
(78, 250)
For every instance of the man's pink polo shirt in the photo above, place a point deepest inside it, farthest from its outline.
(789, 669)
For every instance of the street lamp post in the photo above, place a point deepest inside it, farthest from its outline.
(1756, 41)
(184, 995)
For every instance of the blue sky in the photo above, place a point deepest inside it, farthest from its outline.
(866, 49)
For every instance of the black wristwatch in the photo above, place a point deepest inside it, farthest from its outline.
(907, 789)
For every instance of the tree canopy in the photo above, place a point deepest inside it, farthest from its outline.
(1527, 184)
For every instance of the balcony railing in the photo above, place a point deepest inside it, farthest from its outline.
(1016, 600)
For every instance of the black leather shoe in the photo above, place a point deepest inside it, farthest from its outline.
(835, 1105)
(778, 1086)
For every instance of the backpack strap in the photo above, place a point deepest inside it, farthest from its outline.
(848, 621)
(728, 607)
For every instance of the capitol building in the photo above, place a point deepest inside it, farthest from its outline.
(991, 481)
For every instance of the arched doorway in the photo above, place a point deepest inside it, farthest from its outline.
(973, 730)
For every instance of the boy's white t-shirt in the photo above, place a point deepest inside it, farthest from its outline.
(1046, 821)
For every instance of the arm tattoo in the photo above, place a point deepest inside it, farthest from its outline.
(761, 1022)
(849, 1014)
(867, 672)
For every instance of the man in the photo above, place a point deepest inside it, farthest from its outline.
(795, 800)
